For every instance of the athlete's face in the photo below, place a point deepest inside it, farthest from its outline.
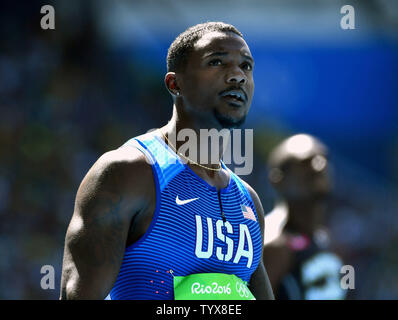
(217, 82)
(307, 190)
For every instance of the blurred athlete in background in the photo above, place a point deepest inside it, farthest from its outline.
(148, 221)
(296, 254)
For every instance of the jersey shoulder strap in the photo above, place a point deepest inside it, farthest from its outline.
(165, 163)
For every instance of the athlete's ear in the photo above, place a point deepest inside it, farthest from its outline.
(170, 81)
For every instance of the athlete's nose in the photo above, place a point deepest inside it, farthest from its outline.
(236, 76)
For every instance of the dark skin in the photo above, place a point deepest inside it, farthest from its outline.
(115, 202)
(305, 192)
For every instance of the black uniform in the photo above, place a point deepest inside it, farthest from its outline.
(315, 274)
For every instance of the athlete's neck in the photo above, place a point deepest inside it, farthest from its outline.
(199, 144)
(185, 137)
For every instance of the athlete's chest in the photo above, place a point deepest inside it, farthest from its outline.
(211, 225)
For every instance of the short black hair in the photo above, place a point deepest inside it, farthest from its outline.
(183, 44)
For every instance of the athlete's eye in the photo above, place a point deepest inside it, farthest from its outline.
(247, 66)
(215, 62)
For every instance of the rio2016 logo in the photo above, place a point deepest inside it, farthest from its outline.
(214, 288)
(242, 289)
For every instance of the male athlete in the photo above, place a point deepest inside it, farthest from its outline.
(149, 225)
(299, 263)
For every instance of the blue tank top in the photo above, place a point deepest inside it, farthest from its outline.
(195, 229)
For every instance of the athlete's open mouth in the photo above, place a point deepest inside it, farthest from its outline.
(234, 96)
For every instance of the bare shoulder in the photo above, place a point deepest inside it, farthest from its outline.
(116, 188)
(124, 171)
(278, 244)
(122, 163)
(279, 252)
(120, 182)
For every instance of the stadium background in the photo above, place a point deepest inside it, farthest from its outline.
(70, 94)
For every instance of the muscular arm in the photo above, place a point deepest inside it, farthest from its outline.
(259, 283)
(96, 237)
